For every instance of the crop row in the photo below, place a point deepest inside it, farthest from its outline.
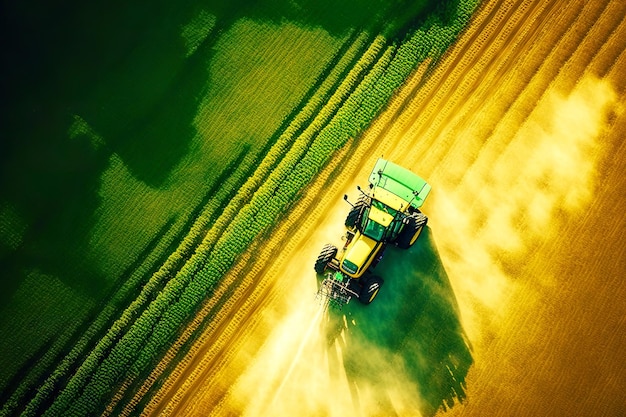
(180, 255)
(136, 282)
(159, 324)
(345, 59)
(356, 102)
(147, 291)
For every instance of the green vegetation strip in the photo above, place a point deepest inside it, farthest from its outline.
(82, 340)
(136, 283)
(157, 326)
(135, 343)
(300, 120)
(221, 194)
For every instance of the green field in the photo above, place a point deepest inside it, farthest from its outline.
(148, 148)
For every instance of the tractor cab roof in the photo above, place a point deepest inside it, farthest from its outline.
(379, 216)
(399, 182)
(389, 199)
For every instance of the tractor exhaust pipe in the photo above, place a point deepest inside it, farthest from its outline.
(358, 187)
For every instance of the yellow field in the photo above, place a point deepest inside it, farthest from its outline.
(520, 130)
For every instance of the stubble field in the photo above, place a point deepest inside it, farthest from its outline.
(513, 301)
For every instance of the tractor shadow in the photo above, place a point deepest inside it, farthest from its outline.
(410, 336)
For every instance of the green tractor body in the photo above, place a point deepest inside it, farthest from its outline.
(387, 213)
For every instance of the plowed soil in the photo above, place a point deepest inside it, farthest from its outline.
(512, 302)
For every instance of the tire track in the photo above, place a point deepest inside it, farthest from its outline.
(506, 115)
(547, 76)
(424, 101)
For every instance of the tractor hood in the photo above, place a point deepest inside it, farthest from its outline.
(359, 255)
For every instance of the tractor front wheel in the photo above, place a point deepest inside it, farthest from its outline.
(326, 255)
(370, 285)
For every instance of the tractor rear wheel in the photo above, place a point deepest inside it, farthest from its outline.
(354, 216)
(413, 226)
(370, 285)
(326, 255)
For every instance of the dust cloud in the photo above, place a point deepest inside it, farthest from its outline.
(515, 187)
(513, 194)
(324, 362)
(306, 369)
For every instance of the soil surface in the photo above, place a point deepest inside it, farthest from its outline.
(511, 303)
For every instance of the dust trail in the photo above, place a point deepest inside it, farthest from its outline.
(289, 371)
(514, 193)
(516, 185)
(305, 341)
(299, 371)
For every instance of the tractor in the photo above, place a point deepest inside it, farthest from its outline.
(387, 213)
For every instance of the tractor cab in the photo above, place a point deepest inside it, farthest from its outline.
(387, 213)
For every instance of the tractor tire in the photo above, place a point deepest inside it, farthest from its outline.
(413, 226)
(354, 216)
(370, 285)
(326, 255)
